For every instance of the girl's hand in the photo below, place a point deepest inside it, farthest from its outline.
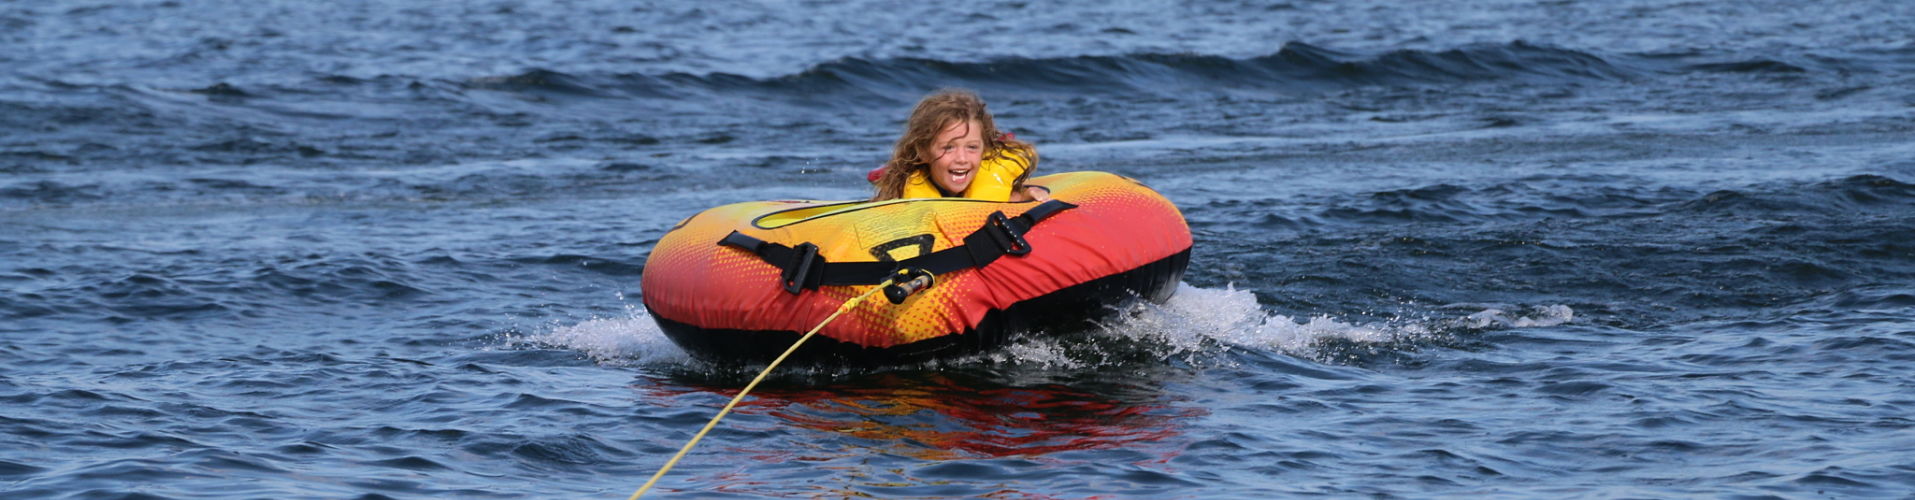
(1032, 193)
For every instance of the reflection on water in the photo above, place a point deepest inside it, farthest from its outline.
(945, 416)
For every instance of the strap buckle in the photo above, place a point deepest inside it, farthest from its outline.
(1010, 239)
(798, 271)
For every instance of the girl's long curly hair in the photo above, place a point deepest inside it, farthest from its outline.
(931, 116)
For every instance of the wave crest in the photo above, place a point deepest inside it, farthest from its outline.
(1295, 67)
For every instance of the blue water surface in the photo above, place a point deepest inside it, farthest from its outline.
(1518, 249)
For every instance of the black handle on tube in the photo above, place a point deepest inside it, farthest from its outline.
(906, 282)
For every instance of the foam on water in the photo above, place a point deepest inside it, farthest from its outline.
(1495, 316)
(620, 341)
(1200, 321)
(1194, 326)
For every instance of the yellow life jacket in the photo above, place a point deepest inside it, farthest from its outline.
(993, 181)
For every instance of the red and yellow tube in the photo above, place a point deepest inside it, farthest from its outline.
(1122, 240)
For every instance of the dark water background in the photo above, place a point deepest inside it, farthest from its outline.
(1524, 249)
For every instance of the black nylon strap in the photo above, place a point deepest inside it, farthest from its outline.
(806, 270)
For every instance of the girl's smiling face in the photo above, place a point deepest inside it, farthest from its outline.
(954, 155)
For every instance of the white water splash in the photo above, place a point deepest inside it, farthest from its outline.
(1193, 324)
(633, 339)
(1495, 316)
(1198, 320)
(1038, 352)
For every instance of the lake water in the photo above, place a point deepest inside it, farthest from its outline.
(1521, 249)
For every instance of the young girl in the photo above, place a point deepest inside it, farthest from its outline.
(951, 147)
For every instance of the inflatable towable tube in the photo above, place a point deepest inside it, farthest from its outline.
(741, 282)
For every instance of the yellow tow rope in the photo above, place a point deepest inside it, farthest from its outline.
(848, 305)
